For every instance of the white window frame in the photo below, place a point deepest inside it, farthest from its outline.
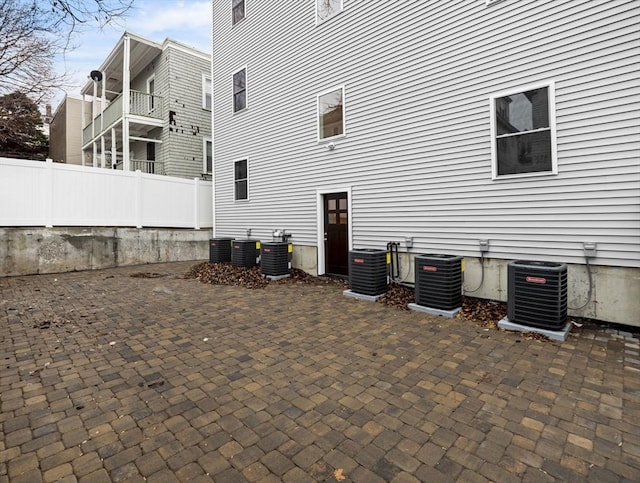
(244, 9)
(206, 78)
(206, 140)
(344, 114)
(320, 22)
(246, 90)
(152, 102)
(550, 85)
(234, 180)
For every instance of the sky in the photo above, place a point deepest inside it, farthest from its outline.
(187, 21)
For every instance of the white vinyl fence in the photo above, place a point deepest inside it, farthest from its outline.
(37, 193)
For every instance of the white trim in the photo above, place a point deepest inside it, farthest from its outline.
(550, 85)
(187, 49)
(246, 90)
(328, 18)
(206, 140)
(145, 140)
(206, 78)
(152, 100)
(344, 114)
(234, 180)
(320, 192)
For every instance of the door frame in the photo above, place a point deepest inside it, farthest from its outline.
(320, 192)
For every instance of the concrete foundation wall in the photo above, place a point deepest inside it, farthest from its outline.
(615, 293)
(26, 251)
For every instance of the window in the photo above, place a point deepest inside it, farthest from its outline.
(523, 132)
(237, 11)
(325, 9)
(207, 156)
(240, 90)
(151, 89)
(240, 179)
(206, 93)
(331, 113)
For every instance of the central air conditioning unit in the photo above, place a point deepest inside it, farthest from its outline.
(537, 294)
(275, 259)
(368, 271)
(220, 250)
(438, 281)
(245, 253)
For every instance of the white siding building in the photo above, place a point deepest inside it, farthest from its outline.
(355, 123)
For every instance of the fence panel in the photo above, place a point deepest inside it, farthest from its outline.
(35, 193)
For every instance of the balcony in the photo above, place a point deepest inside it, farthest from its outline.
(144, 165)
(140, 104)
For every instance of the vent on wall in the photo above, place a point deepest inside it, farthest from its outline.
(537, 294)
(368, 271)
(438, 281)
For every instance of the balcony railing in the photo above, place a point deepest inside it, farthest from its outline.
(140, 104)
(113, 112)
(148, 105)
(144, 165)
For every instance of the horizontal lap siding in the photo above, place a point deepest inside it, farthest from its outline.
(184, 141)
(417, 151)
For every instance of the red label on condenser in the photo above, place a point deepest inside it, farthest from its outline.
(236, 246)
(267, 250)
(358, 260)
(430, 268)
(536, 280)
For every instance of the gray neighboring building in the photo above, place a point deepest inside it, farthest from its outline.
(151, 109)
(353, 123)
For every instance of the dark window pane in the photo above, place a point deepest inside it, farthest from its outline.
(239, 90)
(241, 170)
(239, 81)
(343, 218)
(241, 190)
(332, 219)
(343, 204)
(209, 156)
(331, 115)
(331, 204)
(522, 112)
(238, 10)
(525, 153)
(239, 101)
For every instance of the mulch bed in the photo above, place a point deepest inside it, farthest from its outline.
(252, 278)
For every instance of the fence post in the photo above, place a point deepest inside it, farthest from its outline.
(49, 195)
(138, 199)
(196, 208)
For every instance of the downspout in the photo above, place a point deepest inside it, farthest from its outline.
(126, 93)
(213, 144)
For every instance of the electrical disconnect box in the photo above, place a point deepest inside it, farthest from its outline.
(590, 249)
(484, 246)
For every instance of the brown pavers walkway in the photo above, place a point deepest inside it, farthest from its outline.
(106, 377)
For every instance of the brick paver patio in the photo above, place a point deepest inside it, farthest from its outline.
(106, 377)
